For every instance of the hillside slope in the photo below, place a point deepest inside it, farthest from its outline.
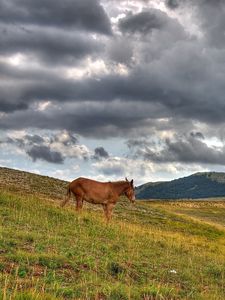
(149, 251)
(196, 186)
(34, 184)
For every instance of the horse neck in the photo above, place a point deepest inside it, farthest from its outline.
(120, 187)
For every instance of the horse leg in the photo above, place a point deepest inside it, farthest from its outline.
(79, 204)
(67, 197)
(108, 210)
(105, 210)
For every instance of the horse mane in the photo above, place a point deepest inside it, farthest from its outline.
(119, 182)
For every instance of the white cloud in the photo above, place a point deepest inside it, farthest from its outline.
(42, 106)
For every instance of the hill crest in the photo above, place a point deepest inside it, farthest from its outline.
(196, 186)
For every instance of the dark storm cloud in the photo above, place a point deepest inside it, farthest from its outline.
(170, 74)
(186, 149)
(26, 140)
(100, 153)
(120, 50)
(197, 135)
(172, 86)
(54, 147)
(45, 153)
(88, 119)
(43, 45)
(86, 14)
(143, 83)
(7, 106)
(144, 21)
(210, 17)
(34, 139)
(172, 3)
(133, 144)
(24, 74)
(34, 146)
(177, 3)
(16, 141)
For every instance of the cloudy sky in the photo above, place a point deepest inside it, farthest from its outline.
(111, 88)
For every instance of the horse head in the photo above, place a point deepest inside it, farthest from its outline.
(130, 192)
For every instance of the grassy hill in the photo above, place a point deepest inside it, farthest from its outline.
(154, 250)
(196, 186)
(28, 183)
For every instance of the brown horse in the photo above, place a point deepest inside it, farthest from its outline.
(104, 193)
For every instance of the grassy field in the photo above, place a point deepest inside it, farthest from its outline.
(153, 250)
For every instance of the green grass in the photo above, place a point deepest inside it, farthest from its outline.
(146, 252)
(153, 250)
(212, 211)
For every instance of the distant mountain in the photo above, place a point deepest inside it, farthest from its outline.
(199, 185)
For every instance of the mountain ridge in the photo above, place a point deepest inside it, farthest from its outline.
(196, 186)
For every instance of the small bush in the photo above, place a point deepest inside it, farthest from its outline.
(115, 269)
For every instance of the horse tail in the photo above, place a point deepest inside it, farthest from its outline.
(67, 198)
(68, 191)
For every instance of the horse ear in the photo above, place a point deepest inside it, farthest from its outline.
(132, 182)
(126, 179)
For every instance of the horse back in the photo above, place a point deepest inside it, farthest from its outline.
(91, 190)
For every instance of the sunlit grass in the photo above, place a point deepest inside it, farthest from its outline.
(147, 252)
